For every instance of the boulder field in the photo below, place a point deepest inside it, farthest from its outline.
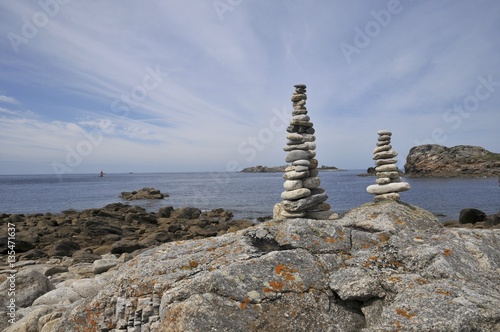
(385, 266)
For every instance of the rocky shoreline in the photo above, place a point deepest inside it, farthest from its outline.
(67, 251)
(384, 266)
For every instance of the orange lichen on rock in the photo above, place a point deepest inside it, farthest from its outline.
(244, 304)
(442, 291)
(285, 271)
(404, 313)
(447, 252)
(421, 281)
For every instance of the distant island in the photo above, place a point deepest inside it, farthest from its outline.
(434, 160)
(277, 169)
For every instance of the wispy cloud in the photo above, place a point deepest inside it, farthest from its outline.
(221, 80)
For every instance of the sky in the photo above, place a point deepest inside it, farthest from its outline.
(188, 86)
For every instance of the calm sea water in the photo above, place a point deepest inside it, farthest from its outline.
(247, 195)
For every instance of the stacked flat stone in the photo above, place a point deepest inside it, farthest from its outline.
(388, 183)
(302, 196)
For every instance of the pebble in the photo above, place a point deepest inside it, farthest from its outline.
(292, 184)
(302, 162)
(294, 175)
(298, 154)
(295, 194)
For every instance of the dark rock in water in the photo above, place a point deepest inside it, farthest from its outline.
(144, 193)
(165, 212)
(434, 160)
(471, 216)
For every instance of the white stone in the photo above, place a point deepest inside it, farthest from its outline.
(295, 137)
(293, 175)
(301, 162)
(103, 265)
(299, 154)
(386, 147)
(303, 146)
(385, 161)
(301, 168)
(386, 168)
(384, 132)
(383, 180)
(292, 184)
(392, 175)
(384, 138)
(385, 155)
(301, 117)
(388, 188)
(295, 194)
(309, 137)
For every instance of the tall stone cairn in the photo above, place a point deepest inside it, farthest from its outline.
(302, 198)
(388, 181)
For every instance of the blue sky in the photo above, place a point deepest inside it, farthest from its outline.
(164, 86)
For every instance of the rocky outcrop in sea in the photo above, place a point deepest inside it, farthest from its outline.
(264, 169)
(144, 193)
(434, 160)
(385, 266)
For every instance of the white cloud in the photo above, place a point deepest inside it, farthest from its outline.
(221, 80)
(8, 100)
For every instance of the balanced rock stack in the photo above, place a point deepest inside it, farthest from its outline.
(302, 198)
(388, 180)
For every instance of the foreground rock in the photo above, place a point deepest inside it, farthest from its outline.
(384, 266)
(144, 193)
(434, 160)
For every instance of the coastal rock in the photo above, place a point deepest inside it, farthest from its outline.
(434, 160)
(144, 193)
(382, 267)
(28, 285)
(63, 248)
(264, 169)
(471, 216)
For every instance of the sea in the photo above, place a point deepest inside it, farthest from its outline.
(246, 195)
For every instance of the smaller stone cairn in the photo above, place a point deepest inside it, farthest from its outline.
(389, 182)
(302, 198)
